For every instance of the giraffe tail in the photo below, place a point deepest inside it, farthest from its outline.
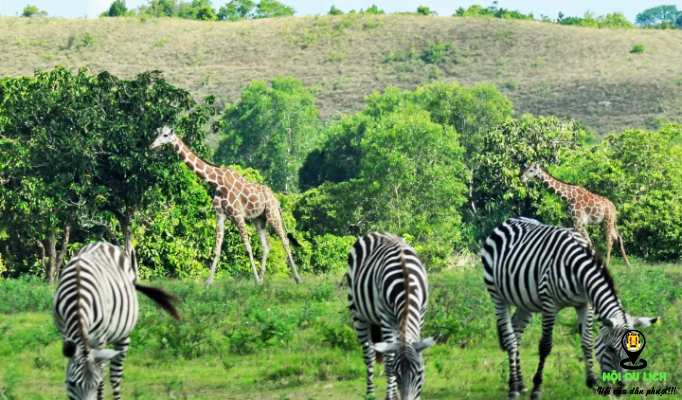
(290, 236)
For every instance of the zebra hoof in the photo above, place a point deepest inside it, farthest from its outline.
(535, 395)
(591, 382)
(524, 390)
(513, 395)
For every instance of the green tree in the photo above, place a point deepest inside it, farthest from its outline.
(198, 10)
(335, 11)
(271, 130)
(656, 15)
(272, 9)
(48, 160)
(236, 10)
(160, 8)
(372, 10)
(116, 9)
(33, 11)
(423, 10)
(615, 20)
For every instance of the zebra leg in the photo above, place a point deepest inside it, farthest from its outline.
(368, 354)
(100, 389)
(585, 327)
(391, 386)
(508, 342)
(116, 367)
(548, 319)
(520, 320)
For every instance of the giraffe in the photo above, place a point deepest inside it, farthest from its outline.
(586, 208)
(238, 200)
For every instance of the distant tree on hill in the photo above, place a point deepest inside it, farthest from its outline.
(273, 9)
(237, 10)
(198, 9)
(373, 10)
(33, 11)
(423, 10)
(117, 9)
(657, 15)
(160, 8)
(335, 11)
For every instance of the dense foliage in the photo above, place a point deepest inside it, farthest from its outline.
(440, 165)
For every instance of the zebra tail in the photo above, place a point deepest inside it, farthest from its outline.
(377, 337)
(290, 236)
(161, 297)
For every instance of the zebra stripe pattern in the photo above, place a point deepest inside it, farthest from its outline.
(387, 296)
(540, 268)
(95, 304)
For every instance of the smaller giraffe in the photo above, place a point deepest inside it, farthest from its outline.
(586, 208)
(238, 200)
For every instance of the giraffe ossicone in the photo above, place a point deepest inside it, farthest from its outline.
(586, 208)
(238, 200)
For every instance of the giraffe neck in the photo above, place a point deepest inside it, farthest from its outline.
(205, 171)
(555, 186)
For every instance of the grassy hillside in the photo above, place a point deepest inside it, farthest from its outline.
(588, 74)
(240, 341)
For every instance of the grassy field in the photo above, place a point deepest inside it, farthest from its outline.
(546, 69)
(281, 341)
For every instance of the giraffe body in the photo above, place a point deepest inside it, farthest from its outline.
(586, 208)
(238, 200)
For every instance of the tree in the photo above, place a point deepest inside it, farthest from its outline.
(271, 130)
(117, 9)
(129, 112)
(200, 10)
(160, 8)
(48, 159)
(236, 10)
(423, 10)
(273, 9)
(656, 15)
(33, 11)
(335, 11)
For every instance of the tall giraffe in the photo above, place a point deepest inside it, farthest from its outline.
(238, 200)
(586, 208)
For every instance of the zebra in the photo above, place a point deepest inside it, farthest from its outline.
(383, 271)
(541, 268)
(94, 305)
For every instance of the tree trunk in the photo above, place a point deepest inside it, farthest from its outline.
(42, 257)
(52, 251)
(125, 220)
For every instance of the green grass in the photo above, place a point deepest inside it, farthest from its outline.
(240, 341)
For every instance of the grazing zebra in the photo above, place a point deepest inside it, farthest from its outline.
(95, 305)
(384, 271)
(540, 268)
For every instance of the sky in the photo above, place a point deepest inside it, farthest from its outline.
(92, 8)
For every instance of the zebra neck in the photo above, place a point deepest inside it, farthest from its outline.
(602, 295)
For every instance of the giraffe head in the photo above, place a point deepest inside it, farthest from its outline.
(532, 171)
(166, 135)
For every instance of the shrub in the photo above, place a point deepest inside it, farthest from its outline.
(423, 10)
(435, 53)
(335, 11)
(637, 49)
(33, 11)
(372, 10)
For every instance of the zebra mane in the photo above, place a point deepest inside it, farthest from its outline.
(79, 311)
(408, 292)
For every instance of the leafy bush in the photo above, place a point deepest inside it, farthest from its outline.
(33, 11)
(335, 11)
(423, 10)
(637, 49)
(435, 53)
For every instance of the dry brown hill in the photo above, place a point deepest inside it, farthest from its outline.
(588, 74)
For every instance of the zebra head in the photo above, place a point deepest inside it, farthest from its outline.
(407, 365)
(85, 370)
(533, 171)
(166, 135)
(608, 349)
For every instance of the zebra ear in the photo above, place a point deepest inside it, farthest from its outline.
(644, 322)
(609, 322)
(385, 347)
(424, 344)
(105, 354)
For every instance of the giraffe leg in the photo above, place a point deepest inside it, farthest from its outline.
(585, 328)
(548, 319)
(220, 230)
(622, 250)
(247, 245)
(116, 367)
(276, 222)
(261, 226)
(608, 228)
(578, 224)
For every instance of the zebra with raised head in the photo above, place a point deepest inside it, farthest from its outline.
(383, 273)
(95, 305)
(540, 268)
